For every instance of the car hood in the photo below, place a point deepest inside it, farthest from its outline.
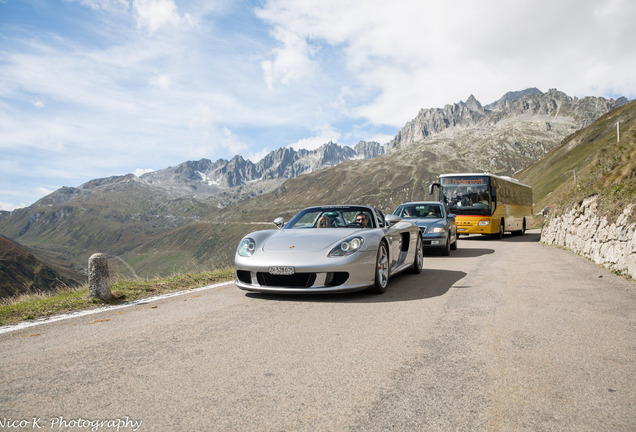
(428, 221)
(306, 240)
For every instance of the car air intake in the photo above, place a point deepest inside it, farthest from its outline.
(298, 280)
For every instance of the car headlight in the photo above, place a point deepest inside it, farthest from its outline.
(347, 247)
(246, 247)
(436, 230)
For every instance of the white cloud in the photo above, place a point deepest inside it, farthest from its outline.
(161, 82)
(43, 191)
(322, 134)
(420, 54)
(291, 62)
(141, 171)
(10, 207)
(107, 5)
(152, 15)
(257, 156)
(231, 142)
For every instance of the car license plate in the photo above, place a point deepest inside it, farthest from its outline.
(461, 229)
(281, 270)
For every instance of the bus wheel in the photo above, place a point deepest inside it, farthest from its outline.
(500, 234)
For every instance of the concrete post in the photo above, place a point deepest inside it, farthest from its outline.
(98, 277)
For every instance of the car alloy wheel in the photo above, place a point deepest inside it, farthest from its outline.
(418, 262)
(381, 270)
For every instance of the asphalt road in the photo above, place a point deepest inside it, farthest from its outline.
(505, 335)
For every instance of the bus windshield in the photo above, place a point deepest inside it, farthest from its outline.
(467, 194)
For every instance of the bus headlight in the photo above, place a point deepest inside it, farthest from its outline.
(484, 222)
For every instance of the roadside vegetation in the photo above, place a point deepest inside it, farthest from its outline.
(34, 306)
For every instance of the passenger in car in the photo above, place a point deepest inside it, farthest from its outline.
(324, 222)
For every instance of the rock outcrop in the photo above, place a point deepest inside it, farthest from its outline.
(583, 231)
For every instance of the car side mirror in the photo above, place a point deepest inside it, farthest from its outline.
(392, 220)
(432, 186)
(279, 222)
(451, 216)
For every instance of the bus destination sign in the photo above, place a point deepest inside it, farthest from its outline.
(465, 181)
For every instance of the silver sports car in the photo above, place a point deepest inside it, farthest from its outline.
(337, 248)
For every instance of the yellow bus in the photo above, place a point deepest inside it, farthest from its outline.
(486, 203)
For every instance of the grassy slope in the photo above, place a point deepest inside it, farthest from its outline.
(603, 166)
(195, 247)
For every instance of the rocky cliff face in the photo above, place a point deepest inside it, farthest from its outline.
(583, 231)
(527, 103)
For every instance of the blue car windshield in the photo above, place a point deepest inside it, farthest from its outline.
(332, 217)
(432, 211)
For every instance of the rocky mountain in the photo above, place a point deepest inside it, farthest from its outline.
(513, 96)
(553, 105)
(207, 177)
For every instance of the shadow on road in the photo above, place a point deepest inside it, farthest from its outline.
(402, 287)
(526, 238)
(461, 253)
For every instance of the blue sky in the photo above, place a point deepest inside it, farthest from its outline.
(94, 88)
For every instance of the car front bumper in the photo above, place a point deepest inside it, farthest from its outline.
(312, 273)
(434, 241)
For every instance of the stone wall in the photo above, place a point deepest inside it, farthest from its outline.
(582, 231)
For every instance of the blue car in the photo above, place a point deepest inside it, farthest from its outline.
(437, 225)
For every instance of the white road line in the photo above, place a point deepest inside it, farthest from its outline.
(39, 321)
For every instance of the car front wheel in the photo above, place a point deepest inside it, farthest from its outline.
(418, 262)
(447, 246)
(381, 270)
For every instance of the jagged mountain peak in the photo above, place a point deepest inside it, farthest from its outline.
(473, 104)
(531, 102)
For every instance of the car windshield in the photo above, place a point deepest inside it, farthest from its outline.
(332, 217)
(414, 210)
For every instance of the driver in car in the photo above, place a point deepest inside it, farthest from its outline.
(362, 219)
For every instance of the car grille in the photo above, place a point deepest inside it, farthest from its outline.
(298, 280)
(422, 230)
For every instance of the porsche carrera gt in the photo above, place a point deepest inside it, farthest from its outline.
(336, 248)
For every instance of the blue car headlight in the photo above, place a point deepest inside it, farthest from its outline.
(347, 247)
(436, 230)
(246, 247)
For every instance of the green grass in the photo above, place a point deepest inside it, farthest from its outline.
(33, 306)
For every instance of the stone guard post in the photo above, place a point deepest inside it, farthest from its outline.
(98, 277)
